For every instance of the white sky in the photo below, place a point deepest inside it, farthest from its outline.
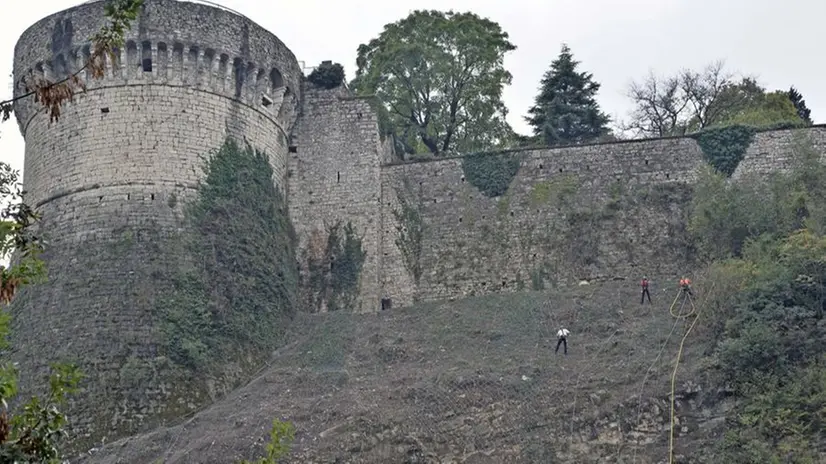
(617, 40)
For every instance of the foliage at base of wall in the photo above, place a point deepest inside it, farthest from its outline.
(491, 173)
(410, 228)
(725, 214)
(334, 263)
(234, 287)
(765, 318)
(770, 330)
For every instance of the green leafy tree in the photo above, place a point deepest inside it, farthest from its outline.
(32, 432)
(566, 111)
(800, 105)
(440, 76)
(327, 75)
(747, 103)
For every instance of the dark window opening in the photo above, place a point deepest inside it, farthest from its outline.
(104, 110)
(540, 166)
(560, 169)
(128, 196)
(646, 162)
(147, 65)
(151, 196)
(338, 177)
(386, 303)
(293, 149)
(265, 100)
(667, 175)
(100, 198)
(460, 219)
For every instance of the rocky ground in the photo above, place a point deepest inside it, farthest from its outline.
(470, 381)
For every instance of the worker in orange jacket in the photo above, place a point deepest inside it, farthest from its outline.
(685, 285)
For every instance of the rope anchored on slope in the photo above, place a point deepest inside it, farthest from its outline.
(677, 362)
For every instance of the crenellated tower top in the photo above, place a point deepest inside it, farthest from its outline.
(195, 44)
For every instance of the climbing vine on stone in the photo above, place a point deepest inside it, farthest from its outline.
(334, 273)
(233, 284)
(410, 226)
(724, 147)
(491, 173)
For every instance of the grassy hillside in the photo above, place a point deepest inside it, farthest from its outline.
(467, 381)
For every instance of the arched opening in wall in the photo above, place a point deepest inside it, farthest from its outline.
(74, 60)
(209, 62)
(249, 77)
(146, 56)
(223, 67)
(163, 58)
(192, 62)
(276, 79)
(48, 70)
(61, 70)
(85, 55)
(177, 63)
(240, 75)
(115, 60)
(132, 62)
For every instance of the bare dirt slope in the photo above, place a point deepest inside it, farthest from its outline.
(473, 381)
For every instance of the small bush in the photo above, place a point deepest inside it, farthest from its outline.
(327, 75)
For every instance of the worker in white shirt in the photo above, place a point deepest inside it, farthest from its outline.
(562, 336)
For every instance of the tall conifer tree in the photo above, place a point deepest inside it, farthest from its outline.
(565, 111)
(800, 105)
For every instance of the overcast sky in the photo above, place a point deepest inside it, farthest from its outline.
(617, 40)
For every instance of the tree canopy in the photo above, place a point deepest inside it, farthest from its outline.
(440, 77)
(566, 110)
(691, 101)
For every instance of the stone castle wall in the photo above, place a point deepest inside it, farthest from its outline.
(588, 212)
(110, 179)
(112, 176)
(335, 178)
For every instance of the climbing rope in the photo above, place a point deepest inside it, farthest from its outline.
(648, 372)
(674, 374)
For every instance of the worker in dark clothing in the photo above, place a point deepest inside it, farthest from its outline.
(644, 285)
(562, 339)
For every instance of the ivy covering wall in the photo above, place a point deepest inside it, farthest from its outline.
(234, 289)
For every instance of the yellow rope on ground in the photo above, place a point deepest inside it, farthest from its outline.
(679, 315)
(676, 366)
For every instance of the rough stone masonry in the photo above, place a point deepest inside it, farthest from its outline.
(126, 157)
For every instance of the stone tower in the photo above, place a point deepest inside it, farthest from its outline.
(119, 163)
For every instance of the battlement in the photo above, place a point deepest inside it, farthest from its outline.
(222, 53)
